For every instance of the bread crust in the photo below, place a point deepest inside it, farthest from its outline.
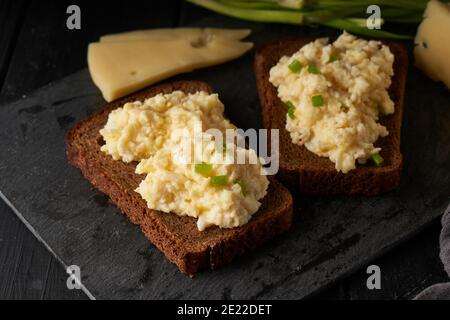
(311, 174)
(177, 237)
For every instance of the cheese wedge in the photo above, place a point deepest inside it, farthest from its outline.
(120, 68)
(432, 51)
(175, 33)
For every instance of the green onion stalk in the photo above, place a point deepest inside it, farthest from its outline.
(347, 15)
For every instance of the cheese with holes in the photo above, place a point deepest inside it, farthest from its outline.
(176, 33)
(120, 68)
(432, 51)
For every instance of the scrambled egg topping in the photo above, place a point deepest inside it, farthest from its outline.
(210, 187)
(138, 129)
(335, 94)
(217, 193)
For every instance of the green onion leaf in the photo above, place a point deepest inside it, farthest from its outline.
(224, 148)
(291, 109)
(312, 68)
(317, 101)
(218, 181)
(347, 15)
(204, 169)
(259, 15)
(377, 159)
(350, 26)
(295, 66)
(241, 184)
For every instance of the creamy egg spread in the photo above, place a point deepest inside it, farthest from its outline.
(211, 187)
(138, 129)
(219, 194)
(335, 94)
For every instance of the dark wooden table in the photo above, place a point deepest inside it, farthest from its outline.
(37, 48)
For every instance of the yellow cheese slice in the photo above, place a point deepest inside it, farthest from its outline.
(120, 68)
(175, 33)
(432, 51)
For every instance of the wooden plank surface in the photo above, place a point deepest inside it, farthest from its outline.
(27, 269)
(25, 264)
(58, 52)
(11, 18)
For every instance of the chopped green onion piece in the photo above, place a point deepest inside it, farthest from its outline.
(291, 109)
(317, 101)
(241, 184)
(377, 159)
(204, 169)
(312, 68)
(333, 57)
(218, 181)
(224, 148)
(295, 66)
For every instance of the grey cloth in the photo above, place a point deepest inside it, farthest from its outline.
(445, 241)
(441, 291)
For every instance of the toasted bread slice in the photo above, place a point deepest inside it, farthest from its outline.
(177, 237)
(310, 173)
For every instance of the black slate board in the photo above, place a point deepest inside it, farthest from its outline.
(331, 236)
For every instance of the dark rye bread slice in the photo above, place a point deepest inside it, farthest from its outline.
(310, 173)
(177, 237)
